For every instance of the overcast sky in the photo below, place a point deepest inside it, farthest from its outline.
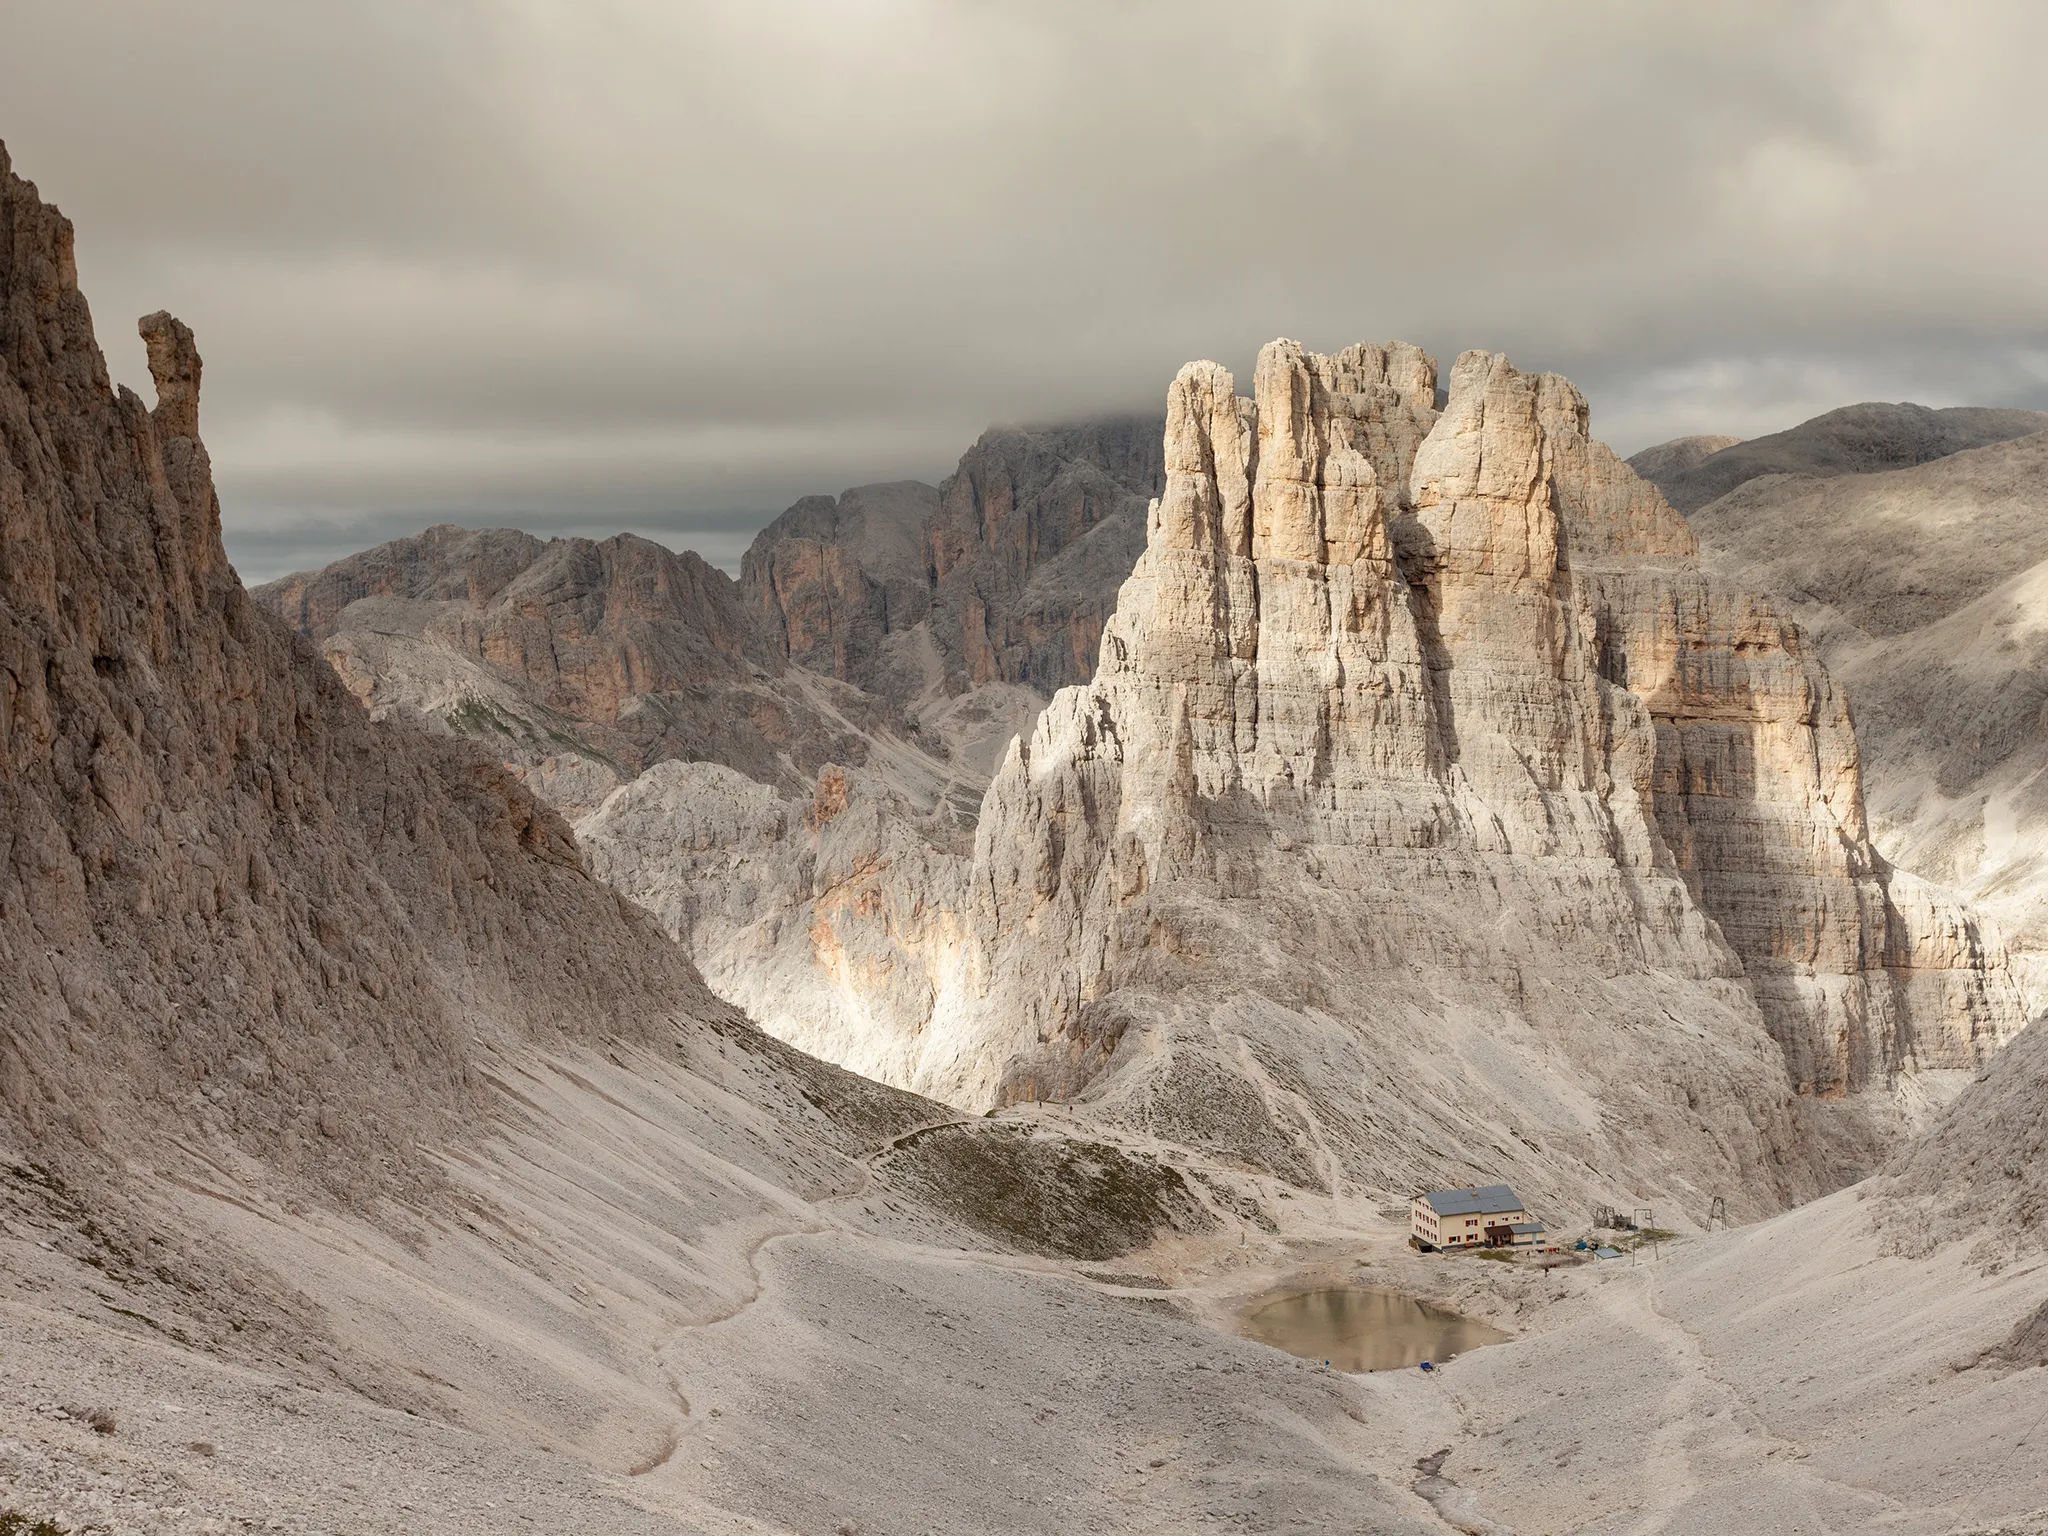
(666, 266)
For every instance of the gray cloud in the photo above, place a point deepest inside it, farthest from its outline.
(627, 263)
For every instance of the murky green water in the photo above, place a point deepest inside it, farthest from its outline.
(1359, 1329)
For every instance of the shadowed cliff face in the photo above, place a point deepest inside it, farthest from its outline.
(1005, 573)
(832, 580)
(227, 897)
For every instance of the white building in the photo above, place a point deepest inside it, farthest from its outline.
(1492, 1217)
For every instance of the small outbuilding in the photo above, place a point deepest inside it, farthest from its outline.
(1492, 1216)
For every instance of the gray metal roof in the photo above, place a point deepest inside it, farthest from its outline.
(1527, 1226)
(1492, 1200)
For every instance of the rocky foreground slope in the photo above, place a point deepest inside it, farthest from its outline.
(1922, 586)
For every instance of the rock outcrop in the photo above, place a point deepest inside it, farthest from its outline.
(1035, 532)
(1004, 574)
(1422, 752)
(578, 664)
(835, 580)
(1923, 588)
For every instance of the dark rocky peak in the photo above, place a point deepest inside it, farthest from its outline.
(1010, 566)
(832, 578)
(444, 564)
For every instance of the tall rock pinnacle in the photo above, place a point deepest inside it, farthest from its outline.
(1420, 744)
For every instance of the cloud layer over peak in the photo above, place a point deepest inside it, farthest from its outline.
(621, 263)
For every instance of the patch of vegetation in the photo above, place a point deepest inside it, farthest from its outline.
(869, 1114)
(476, 716)
(1498, 1255)
(14, 1523)
(1047, 1194)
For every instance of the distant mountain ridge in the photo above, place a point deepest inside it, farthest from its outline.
(579, 663)
(1852, 440)
(1667, 460)
(927, 623)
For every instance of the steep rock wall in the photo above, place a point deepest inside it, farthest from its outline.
(832, 580)
(1003, 574)
(1924, 589)
(229, 903)
(1426, 728)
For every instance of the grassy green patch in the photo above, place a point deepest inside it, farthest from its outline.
(478, 716)
(1047, 1194)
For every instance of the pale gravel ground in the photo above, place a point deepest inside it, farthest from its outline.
(1783, 1377)
(629, 1333)
(620, 1325)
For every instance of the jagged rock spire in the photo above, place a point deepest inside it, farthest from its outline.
(1449, 710)
(174, 365)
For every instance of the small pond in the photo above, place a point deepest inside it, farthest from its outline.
(1356, 1328)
